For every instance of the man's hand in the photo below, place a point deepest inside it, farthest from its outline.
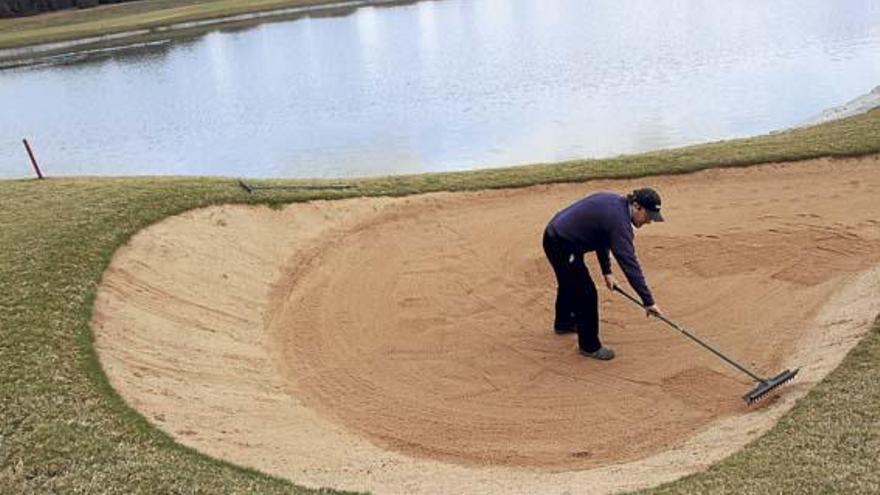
(610, 281)
(653, 311)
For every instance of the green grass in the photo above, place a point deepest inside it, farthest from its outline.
(64, 430)
(73, 24)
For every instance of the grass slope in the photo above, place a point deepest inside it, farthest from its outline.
(64, 430)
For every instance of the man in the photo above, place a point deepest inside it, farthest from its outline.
(600, 222)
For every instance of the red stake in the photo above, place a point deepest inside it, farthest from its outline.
(33, 160)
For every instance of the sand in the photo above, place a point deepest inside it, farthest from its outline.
(404, 345)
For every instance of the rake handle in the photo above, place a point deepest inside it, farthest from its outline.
(692, 337)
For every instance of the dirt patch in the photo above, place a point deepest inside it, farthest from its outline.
(404, 345)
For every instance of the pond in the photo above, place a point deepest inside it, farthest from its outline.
(441, 85)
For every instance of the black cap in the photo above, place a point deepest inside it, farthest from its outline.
(650, 201)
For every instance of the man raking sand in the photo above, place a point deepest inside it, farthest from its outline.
(602, 223)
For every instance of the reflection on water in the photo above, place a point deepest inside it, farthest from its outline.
(447, 85)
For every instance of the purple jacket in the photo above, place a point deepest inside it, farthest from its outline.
(601, 222)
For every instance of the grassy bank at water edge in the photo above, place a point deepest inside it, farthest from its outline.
(151, 15)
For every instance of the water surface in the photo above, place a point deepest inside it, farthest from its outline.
(442, 85)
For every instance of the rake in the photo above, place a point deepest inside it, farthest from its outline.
(250, 188)
(765, 385)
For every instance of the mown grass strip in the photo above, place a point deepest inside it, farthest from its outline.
(64, 430)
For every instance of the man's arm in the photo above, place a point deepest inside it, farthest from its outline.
(605, 264)
(624, 253)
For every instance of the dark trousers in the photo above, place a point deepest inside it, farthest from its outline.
(576, 299)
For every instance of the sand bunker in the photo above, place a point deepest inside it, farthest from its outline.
(404, 345)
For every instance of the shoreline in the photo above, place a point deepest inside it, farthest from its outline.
(135, 35)
(858, 105)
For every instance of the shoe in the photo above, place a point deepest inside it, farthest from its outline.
(603, 353)
(564, 329)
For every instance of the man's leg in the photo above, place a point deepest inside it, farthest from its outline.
(559, 257)
(586, 308)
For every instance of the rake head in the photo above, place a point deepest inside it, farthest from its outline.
(769, 385)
